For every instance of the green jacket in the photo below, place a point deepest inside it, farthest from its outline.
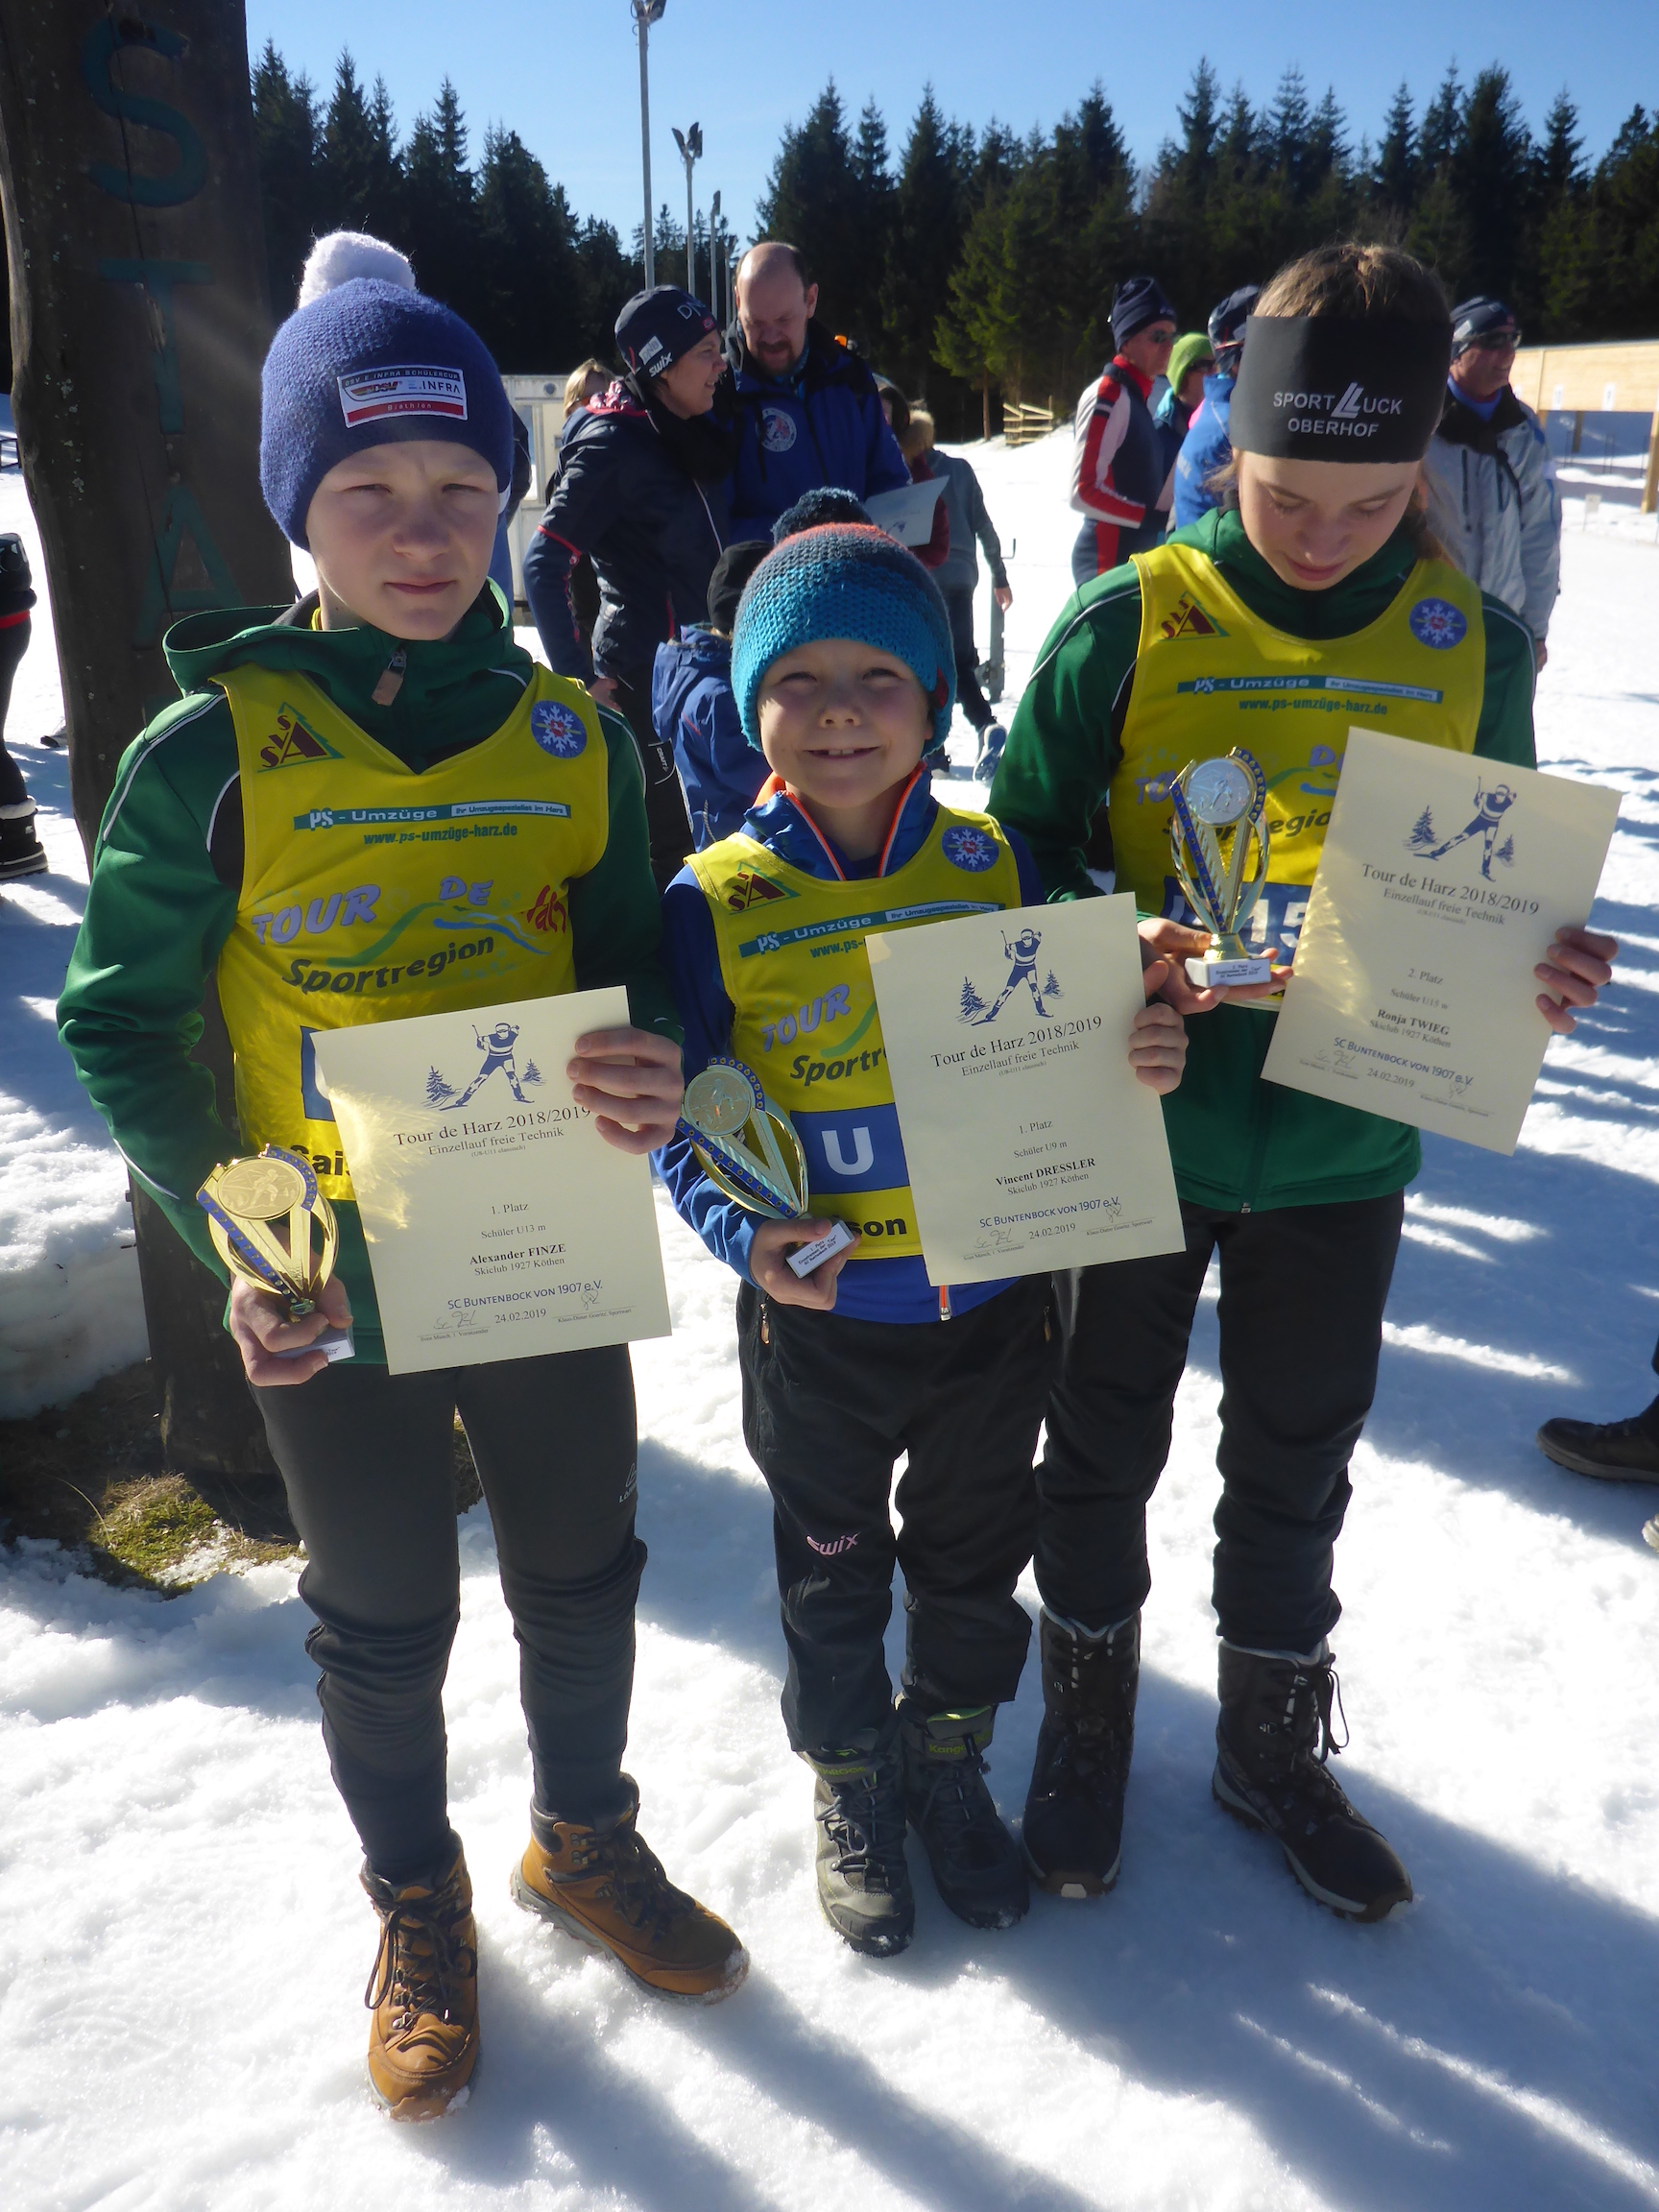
(1237, 1142)
(166, 874)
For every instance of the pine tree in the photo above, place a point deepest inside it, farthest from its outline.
(358, 160)
(438, 201)
(524, 225)
(1506, 851)
(928, 218)
(1423, 828)
(1394, 177)
(438, 1092)
(1492, 169)
(285, 148)
(1050, 988)
(972, 1006)
(814, 198)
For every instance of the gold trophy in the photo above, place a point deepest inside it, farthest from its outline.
(1219, 842)
(749, 1148)
(262, 1215)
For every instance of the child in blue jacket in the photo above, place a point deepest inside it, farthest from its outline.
(693, 712)
(844, 673)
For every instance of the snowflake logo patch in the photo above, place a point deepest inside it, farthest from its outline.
(965, 847)
(558, 729)
(777, 431)
(1437, 623)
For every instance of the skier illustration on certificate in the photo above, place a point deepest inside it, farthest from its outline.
(1490, 808)
(1023, 954)
(498, 1051)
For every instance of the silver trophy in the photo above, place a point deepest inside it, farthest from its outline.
(1219, 842)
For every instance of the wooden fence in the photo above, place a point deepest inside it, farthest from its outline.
(1580, 380)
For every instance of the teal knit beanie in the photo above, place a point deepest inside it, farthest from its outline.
(843, 579)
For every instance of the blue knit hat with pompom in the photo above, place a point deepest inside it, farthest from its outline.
(834, 574)
(365, 365)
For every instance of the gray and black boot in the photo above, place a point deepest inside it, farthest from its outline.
(863, 1882)
(1073, 1826)
(977, 1865)
(1273, 1740)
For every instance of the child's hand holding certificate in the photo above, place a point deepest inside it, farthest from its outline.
(1032, 1144)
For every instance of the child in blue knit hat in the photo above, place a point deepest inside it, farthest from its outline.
(843, 672)
(235, 850)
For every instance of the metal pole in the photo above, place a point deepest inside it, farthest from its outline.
(690, 234)
(642, 18)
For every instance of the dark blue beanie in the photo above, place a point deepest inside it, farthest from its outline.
(656, 327)
(1137, 302)
(843, 579)
(367, 364)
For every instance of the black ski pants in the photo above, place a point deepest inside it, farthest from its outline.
(828, 1405)
(1303, 1289)
(959, 607)
(368, 1461)
(13, 644)
(666, 819)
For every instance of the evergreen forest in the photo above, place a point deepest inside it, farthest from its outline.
(973, 264)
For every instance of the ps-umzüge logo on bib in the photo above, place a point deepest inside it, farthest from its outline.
(1490, 808)
(1020, 951)
(558, 729)
(1437, 622)
(777, 431)
(966, 847)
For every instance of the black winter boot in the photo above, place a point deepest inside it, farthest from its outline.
(21, 852)
(1612, 1451)
(863, 1881)
(1073, 1824)
(977, 1865)
(1273, 1740)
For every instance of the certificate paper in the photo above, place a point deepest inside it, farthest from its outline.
(1029, 1142)
(500, 1224)
(1442, 881)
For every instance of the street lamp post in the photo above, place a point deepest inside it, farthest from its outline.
(645, 14)
(690, 150)
(715, 258)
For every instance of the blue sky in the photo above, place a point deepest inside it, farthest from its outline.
(566, 76)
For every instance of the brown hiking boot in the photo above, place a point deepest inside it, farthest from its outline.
(423, 1994)
(606, 1887)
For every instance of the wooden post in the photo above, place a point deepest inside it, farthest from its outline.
(139, 320)
(1651, 480)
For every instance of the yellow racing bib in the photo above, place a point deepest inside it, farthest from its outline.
(1209, 675)
(794, 966)
(370, 893)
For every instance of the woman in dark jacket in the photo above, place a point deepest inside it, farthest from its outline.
(641, 489)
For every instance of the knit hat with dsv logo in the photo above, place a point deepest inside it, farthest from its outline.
(372, 364)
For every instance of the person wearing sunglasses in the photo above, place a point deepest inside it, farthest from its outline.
(1121, 471)
(1491, 481)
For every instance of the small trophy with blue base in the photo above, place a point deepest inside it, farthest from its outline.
(749, 1148)
(1218, 843)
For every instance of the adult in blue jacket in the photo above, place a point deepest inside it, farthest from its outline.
(694, 710)
(807, 411)
(1208, 446)
(640, 490)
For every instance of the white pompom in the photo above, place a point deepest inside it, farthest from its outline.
(342, 254)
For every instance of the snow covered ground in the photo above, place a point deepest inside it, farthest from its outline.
(181, 1941)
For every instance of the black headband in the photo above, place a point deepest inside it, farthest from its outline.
(1322, 388)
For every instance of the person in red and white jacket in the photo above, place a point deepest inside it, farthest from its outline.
(1121, 482)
